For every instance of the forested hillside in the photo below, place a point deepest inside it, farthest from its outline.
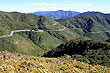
(85, 50)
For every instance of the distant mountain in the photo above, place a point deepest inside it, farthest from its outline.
(94, 13)
(60, 14)
(85, 50)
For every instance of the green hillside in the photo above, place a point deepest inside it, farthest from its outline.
(93, 26)
(51, 33)
(34, 35)
(29, 42)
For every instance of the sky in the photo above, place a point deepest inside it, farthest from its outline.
(26, 6)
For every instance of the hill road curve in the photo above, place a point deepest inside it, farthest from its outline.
(12, 32)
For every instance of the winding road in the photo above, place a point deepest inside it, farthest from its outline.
(12, 32)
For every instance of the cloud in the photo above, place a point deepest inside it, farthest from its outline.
(50, 7)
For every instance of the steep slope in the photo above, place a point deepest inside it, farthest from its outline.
(93, 26)
(85, 50)
(31, 34)
(60, 14)
(19, 63)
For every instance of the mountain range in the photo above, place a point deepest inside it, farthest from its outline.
(94, 13)
(60, 14)
(31, 43)
(40, 34)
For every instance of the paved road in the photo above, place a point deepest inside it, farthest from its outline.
(12, 32)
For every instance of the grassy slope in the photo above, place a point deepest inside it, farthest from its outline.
(15, 62)
(31, 42)
(20, 44)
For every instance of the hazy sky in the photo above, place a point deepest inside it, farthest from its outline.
(53, 5)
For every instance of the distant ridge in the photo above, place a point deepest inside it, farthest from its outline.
(60, 14)
(94, 13)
